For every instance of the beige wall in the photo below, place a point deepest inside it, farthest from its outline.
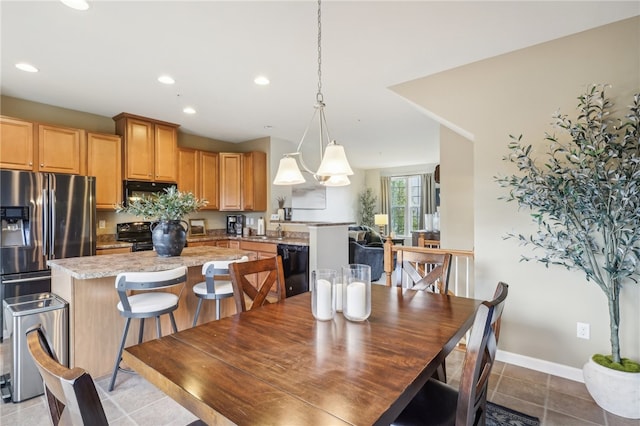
(518, 93)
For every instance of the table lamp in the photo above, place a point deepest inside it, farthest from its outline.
(381, 220)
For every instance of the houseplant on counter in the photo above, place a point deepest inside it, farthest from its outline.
(166, 209)
(585, 199)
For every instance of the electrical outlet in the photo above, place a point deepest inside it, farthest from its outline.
(582, 330)
(102, 224)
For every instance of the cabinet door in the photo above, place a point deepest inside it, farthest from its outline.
(188, 175)
(16, 144)
(61, 149)
(209, 179)
(166, 145)
(230, 183)
(104, 161)
(100, 252)
(254, 184)
(138, 149)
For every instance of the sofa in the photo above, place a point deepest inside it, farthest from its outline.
(366, 247)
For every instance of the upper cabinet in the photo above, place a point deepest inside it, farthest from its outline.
(243, 181)
(150, 148)
(25, 145)
(254, 186)
(104, 161)
(61, 149)
(231, 181)
(16, 144)
(198, 173)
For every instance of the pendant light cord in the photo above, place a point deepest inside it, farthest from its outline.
(319, 96)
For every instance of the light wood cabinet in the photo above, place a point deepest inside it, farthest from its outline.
(202, 244)
(209, 179)
(198, 173)
(243, 181)
(16, 144)
(61, 149)
(114, 250)
(254, 185)
(230, 181)
(25, 145)
(104, 161)
(150, 148)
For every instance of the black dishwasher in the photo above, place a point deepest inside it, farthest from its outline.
(295, 260)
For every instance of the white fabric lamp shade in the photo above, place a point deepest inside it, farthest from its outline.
(288, 172)
(381, 219)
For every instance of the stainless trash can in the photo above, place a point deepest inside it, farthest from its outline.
(21, 313)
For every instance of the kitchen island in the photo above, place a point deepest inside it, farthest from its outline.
(95, 325)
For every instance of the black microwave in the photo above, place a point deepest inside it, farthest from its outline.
(137, 189)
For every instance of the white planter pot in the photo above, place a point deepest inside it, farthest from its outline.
(615, 391)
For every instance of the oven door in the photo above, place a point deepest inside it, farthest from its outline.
(133, 189)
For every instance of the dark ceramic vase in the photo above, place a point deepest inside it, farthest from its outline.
(169, 237)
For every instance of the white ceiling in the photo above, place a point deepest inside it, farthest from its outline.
(106, 61)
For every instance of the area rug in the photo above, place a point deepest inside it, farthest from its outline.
(497, 415)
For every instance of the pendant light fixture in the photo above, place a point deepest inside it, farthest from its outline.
(334, 168)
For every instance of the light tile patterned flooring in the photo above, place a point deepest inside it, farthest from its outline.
(554, 400)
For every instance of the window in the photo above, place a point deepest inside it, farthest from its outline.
(406, 204)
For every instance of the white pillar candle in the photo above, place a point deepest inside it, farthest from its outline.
(323, 300)
(339, 297)
(356, 299)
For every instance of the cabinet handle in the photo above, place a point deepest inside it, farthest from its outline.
(41, 164)
(31, 163)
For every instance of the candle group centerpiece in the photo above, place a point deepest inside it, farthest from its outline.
(322, 294)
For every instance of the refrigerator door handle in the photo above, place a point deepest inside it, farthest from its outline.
(52, 208)
(45, 223)
(23, 280)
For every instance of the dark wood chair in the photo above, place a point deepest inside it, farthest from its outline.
(440, 404)
(424, 269)
(262, 281)
(70, 393)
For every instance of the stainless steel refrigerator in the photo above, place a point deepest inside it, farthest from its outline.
(44, 216)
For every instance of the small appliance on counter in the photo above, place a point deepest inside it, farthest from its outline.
(236, 224)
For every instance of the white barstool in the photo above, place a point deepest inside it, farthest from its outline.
(211, 288)
(146, 305)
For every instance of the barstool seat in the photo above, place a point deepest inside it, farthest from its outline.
(146, 305)
(212, 288)
(150, 302)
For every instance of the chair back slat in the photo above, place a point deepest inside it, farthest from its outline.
(128, 281)
(218, 270)
(479, 359)
(70, 393)
(260, 280)
(423, 269)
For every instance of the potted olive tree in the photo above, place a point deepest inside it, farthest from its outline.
(585, 197)
(166, 209)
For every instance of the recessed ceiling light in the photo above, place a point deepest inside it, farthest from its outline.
(76, 4)
(165, 79)
(189, 110)
(26, 67)
(261, 80)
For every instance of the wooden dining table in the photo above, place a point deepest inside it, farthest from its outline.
(277, 365)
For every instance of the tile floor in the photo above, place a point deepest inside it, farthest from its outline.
(554, 400)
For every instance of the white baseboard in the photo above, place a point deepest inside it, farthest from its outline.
(559, 370)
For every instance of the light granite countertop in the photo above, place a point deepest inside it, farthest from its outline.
(254, 238)
(110, 265)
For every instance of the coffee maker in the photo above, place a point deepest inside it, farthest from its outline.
(235, 224)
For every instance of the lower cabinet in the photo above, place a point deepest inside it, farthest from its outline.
(113, 250)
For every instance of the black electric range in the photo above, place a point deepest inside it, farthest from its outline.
(137, 233)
